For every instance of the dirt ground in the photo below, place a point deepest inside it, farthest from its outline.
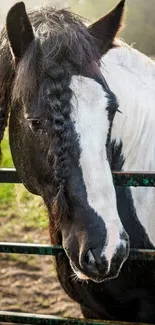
(29, 283)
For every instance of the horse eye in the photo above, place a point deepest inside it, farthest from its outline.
(34, 124)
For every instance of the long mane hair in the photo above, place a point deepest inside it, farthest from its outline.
(6, 74)
(62, 47)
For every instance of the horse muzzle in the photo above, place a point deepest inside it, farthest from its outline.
(92, 263)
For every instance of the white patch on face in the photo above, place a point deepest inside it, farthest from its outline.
(131, 76)
(90, 118)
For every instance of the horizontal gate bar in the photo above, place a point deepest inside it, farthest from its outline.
(24, 318)
(34, 249)
(120, 179)
(145, 179)
(9, 175)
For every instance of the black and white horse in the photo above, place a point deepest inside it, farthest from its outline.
(81, 104)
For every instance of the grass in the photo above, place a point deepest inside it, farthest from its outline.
(7, 193)
(15, 200)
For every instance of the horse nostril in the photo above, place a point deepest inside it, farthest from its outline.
(92, 262)
(87, 260)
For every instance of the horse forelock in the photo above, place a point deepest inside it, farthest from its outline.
(61, 36)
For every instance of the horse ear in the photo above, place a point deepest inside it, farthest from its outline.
(106, 28)
(19, 29)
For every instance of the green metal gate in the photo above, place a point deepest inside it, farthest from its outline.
(120, 179)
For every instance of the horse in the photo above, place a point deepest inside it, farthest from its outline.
(80, 104)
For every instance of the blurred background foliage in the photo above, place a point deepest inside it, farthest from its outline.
(140, 20)
(139, 30)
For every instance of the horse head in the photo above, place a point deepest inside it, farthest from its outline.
(62, 112)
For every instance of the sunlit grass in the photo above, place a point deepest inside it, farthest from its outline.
(7, 192)
(7, 159)
(16, 200)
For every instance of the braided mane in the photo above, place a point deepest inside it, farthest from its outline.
(62, 47)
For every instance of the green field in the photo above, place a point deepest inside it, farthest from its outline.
(16, 200)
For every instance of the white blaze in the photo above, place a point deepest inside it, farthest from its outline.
(90, 117)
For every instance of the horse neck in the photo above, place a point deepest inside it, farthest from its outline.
(131, 76)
